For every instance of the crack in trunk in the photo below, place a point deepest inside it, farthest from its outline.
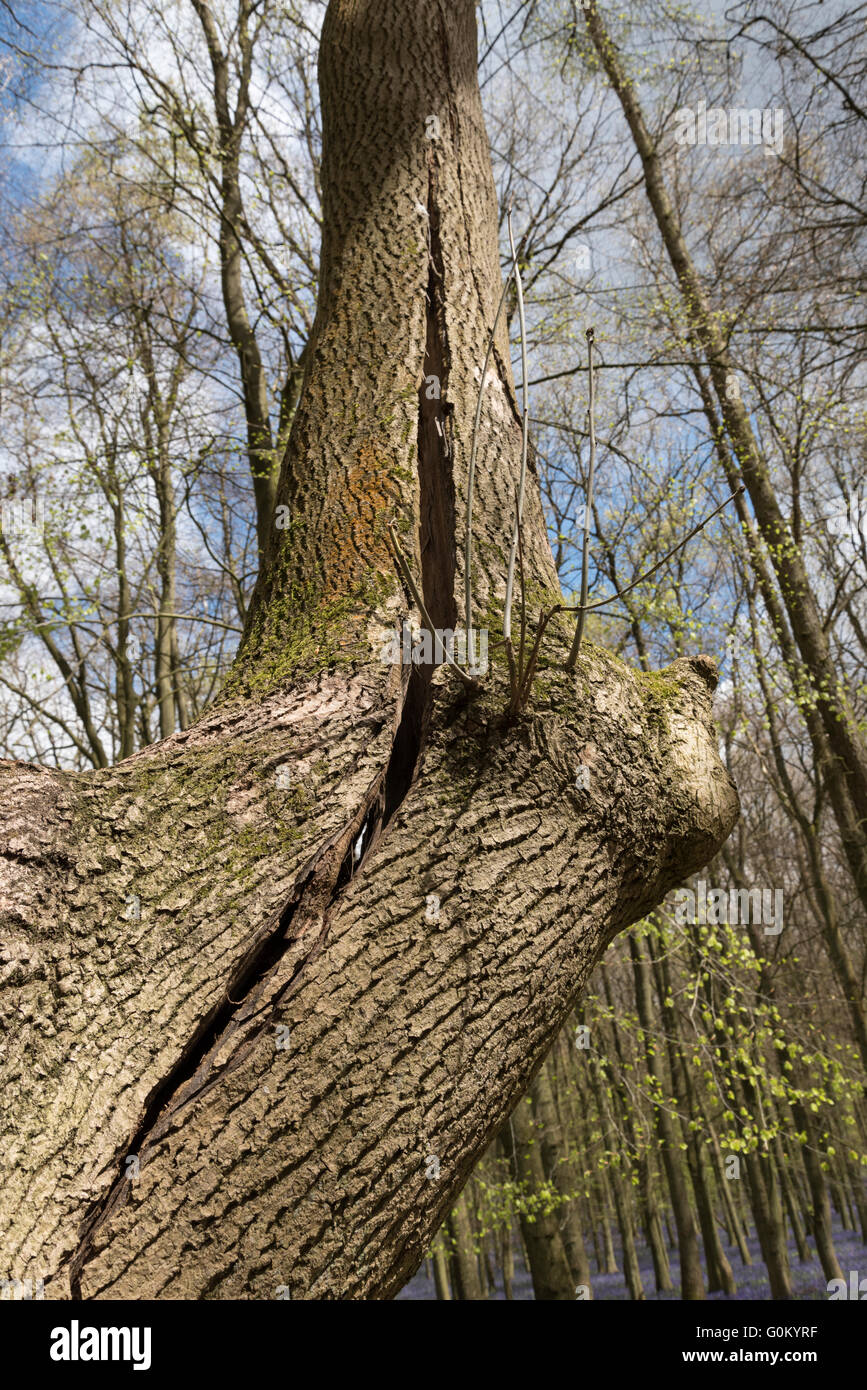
(436, 483)
(317, 890)
(336, 864)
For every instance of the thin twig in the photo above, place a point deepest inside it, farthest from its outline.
(403, 566)
(544, 619)
(525, 435)
(523, 601)
(585, 550)
(600, 603)
(471, 475)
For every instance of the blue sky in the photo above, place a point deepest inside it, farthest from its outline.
(33, 36)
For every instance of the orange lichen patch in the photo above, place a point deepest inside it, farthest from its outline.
(360, 504)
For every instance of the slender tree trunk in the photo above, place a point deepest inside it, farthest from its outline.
(166, 636)
(125, 697)
(735, 1224)
(632, 1150)
(182, 710)
(841, 1202)
(819, 894)
(594, 1229)
(857, 1176)
(465, 1261)
(610, 1265)
(254, 384)
(653, 1229)
(560, 1171)
(691, 1281)
(606, 1258)
(847, 765)
(441, 1273)
(719, 1271)
(622, 1204)
(820, 1214)
(549, 1267)
(507, 1261)
(631, 1267)
(790, 1202)
(767, 1207)
(759, 1166)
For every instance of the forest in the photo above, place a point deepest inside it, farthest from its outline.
(524, 963)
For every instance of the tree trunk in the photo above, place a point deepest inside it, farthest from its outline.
(441, 1273)
(272, 985)
(766, 1201)
(631, 1267)
(653, 1228)
(549, 1267)
(736, 1227)
(254, 384)
(166, 563)
(560, 1170)
(844, 765)
(820, 1215)
(124, 688)
(465, 1261)
(719, 1271)
(691, 1279)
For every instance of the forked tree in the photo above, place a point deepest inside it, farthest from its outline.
(270, 986)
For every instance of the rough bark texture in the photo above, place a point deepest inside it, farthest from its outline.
(218, 958)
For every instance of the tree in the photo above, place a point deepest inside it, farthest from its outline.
(840, 747)
(107, 430)
(271, 985)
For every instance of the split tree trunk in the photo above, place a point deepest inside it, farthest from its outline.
(242, 1049)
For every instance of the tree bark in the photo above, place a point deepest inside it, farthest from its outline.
(242, 1050)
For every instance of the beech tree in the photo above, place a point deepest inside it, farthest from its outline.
(270, 986)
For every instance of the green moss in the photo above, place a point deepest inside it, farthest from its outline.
(299, 637)
(658, 692)
(295, 800)
(657, 687)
